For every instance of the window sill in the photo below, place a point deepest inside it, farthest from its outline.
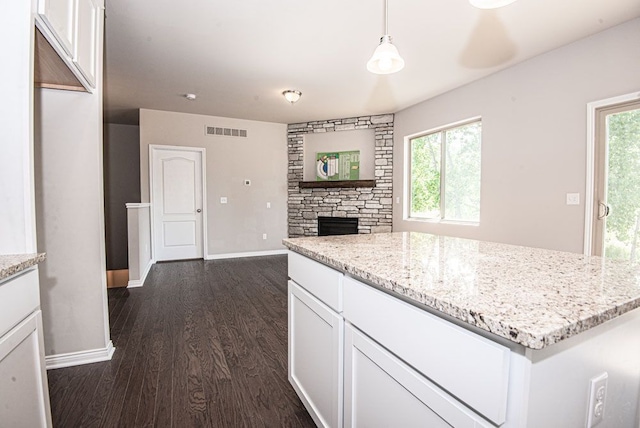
(439, 221)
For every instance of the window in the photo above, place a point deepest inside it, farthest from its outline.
(444, 174)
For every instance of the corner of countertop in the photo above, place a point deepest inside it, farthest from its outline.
(11, 264)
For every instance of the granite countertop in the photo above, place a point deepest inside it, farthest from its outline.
(11, 264)
(530, 296)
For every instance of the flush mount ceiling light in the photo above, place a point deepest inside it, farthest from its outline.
(385, 59)
(490, 4)
(190, 97)
(292, 95)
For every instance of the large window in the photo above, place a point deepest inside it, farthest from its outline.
(444, 174)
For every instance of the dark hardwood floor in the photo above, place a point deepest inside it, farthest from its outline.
(202, 344)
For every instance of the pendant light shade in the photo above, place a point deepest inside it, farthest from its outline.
(386, 59)
(490, 4)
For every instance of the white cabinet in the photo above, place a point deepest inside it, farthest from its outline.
(58, 15)
(23, 381)
(85, 46)
(382, 391)
(72, 27)
(315, 356)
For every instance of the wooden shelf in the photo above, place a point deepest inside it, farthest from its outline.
(334, 184)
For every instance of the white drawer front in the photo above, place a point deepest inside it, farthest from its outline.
(470, 367)
(321, 281)
(19, 296)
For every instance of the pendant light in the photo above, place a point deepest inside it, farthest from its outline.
(490, 4)
(385, 59)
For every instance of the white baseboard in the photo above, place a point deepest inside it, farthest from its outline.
(247, 254)
(59, 361)
(140, 282)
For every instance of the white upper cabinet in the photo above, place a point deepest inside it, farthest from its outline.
(72, 28)
(85, 46)
(58, 15)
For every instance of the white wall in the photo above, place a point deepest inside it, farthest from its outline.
(238, 226)
(533, 138)
(70, 218)
(17, 216)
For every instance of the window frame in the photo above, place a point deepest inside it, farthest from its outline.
(407, 172)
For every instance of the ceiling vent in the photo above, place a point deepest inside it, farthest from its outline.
(225, 132)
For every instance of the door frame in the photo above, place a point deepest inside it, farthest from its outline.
(592, 110)
(203, 154)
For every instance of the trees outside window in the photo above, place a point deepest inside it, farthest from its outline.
(445, 173)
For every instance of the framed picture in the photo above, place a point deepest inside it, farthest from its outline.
(336, 166)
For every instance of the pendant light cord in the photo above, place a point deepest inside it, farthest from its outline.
(386, 17)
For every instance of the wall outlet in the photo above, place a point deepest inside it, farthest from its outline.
(247, 182)
(223, 200)
(573, 198)
(597, 398)
(264, 236)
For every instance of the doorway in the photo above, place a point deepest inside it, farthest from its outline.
(177, 184)
(615, 208)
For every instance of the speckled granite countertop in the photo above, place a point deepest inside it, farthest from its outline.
(13, 263)
(530, 296)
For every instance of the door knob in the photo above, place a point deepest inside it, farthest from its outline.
(198, 210)
(604, 212)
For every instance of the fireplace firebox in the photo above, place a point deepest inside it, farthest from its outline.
(337, 226)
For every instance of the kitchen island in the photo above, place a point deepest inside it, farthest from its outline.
(470, 333)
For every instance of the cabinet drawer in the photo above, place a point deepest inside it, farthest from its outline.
(321, 281)
(470, 367)
(19, 296)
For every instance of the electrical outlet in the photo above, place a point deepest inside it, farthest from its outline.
(223, 200)
(247, 182)
(264, 236)
(597, 398)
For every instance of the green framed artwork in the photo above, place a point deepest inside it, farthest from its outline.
(336, 166)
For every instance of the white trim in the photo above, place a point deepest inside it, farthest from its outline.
(70, 359)
(590, 168)
(203, 167)
(245, 254)
(133, 283)
(131, 205)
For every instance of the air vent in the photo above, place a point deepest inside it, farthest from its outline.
(225, 132)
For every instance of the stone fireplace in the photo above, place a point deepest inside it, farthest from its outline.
(371, 203)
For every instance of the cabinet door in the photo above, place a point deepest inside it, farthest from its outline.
(84, 55)
(59, 17)
(315, 356)
(23, 382)
(382, 391)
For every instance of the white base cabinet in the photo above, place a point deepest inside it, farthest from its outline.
(315, 356)
(382, 391)
(24, 394)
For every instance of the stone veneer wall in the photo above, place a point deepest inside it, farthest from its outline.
(371, 205)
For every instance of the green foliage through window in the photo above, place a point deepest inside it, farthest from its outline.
(623, 185)
(445, 174)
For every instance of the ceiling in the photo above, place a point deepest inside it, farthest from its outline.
(238, 56)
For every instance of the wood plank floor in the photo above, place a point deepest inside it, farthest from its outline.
(202, 344)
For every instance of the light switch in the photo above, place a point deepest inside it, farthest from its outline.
(268, 204)
(223, 200)
(573, 198)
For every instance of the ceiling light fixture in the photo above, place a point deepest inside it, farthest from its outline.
(190, 97)
(385, 59)
(292, 95)
(490, 4)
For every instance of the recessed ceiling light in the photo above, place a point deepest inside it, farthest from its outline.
(190, 97)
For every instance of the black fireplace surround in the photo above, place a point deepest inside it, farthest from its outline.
(337, 226)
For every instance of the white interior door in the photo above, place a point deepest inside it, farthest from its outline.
(177, 202)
